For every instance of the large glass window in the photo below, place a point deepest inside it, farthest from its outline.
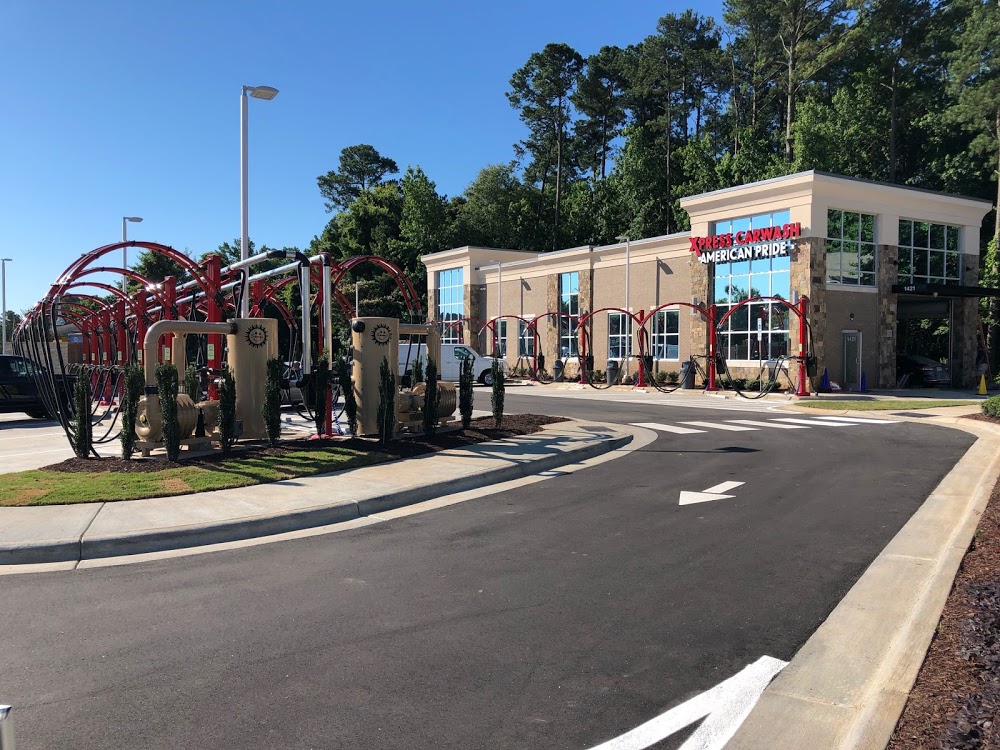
(525, 340)
(665, 338)
(929, 253)
(850, 248)
(757, 330)
(500, 345)
(619, 335)
(450, 304)
(569, 304)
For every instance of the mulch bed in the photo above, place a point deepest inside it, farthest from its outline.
(955, 702)
(480, 431)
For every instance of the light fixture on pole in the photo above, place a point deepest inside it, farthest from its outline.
(3, 301)
(126, 219)
(628, 257)
(257, 92)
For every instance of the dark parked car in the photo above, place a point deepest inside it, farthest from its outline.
(915, 370)
(17, 387)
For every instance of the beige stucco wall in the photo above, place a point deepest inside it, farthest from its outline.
(662, 269)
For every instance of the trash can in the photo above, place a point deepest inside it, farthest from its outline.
(557, 370)
(687, 375)
(647, 368)
(614, 371)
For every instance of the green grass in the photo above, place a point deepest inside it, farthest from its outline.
(878, 405)
(41, 487)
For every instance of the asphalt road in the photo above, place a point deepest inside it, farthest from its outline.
(557, 615)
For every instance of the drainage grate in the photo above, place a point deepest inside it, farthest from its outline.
(912, 414)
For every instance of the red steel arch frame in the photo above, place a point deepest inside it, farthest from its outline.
(709, 313)
(801, 310)
(636, 318)
(491, 327)
(557, 314)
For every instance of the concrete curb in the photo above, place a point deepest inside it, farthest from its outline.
(91, 546)
(847, 686)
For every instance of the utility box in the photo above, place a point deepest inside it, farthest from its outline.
(373, 339)
(255, 342)
(687, 375)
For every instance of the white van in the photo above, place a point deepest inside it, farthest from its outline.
(451, 360)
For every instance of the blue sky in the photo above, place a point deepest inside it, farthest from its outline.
(110, 109)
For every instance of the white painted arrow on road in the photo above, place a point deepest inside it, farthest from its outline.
(724, 708)
(712, 493)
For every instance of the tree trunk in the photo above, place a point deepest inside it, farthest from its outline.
(893, 107)
(789, 106)
(555, 225)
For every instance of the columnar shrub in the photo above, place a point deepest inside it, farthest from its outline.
(166, 387)
(386, 415)
(192, 383)
(347, 388)
(82, 434)
(227, 410)
(431, 398)
(319, 388)
(466, 378)
(135, 384)
(270, 410)
(496, 399)
(417, 372)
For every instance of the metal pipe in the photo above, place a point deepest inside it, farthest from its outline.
(327, 311)
(306, 327)
(164, 327)
(244, 310)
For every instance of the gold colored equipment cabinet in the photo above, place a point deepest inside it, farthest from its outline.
(255, 342)
(373, 340)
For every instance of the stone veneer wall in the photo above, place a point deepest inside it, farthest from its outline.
(809, 278)
(702, 288)
(965, 329)
(475, 296)
(886, 274)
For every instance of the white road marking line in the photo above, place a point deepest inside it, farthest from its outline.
(725, 487)
(666, 428)
(815, 422)
(862, 420)
(769, 423)
(718, 426)
(67, 449)
(724, 708)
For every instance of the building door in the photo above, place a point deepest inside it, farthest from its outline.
(852, 360)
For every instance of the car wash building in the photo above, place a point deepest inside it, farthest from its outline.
(880, 265)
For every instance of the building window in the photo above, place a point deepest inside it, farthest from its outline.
(450, 304)
(525, 340)
(619, 335)
(499, 338)
(850, 248)
(929, 253)
(665, 338)
(569, 304)
(740, 337)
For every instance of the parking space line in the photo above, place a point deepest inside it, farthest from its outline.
(769, 423)
(719, 426)
(666, 428)
(861, 420)
(815, 422)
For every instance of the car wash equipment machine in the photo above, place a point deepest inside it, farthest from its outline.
(377, 339)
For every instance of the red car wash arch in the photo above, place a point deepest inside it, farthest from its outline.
(801, 310)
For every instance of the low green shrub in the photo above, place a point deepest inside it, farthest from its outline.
(991, 407)
(673, 376)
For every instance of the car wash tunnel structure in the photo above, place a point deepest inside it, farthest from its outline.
(197, 322)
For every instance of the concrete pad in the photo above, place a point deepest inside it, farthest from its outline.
(44, 534)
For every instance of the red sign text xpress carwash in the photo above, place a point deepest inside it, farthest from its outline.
(768, 242)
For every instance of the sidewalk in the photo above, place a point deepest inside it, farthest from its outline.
(60, 533)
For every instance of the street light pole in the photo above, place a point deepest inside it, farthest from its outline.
(628, 268)
(3, 301)
(257, 92)
(124, 249)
